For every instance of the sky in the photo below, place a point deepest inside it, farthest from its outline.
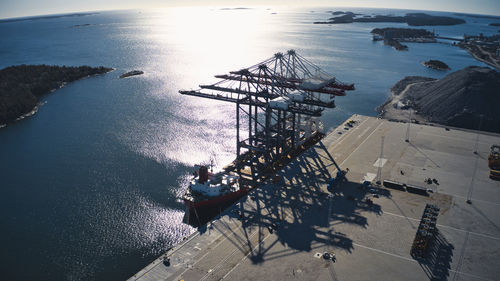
(22, 8)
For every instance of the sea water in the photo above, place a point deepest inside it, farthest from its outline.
(90, 185)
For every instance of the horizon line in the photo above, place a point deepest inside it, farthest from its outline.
(27, 17)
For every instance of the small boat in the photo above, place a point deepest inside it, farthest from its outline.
(208, 192)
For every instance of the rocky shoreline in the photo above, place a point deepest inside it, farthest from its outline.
(131, 73)
(22, 86)
(480, 52)
(463, 99)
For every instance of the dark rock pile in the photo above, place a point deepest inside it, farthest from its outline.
(464, 98)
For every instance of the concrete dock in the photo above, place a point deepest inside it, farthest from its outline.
(280, 231)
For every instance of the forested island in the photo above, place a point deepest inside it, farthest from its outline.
(394, 36)
(412, 19)
(403, 33)
(436, 64)
(464, 98)
(22, 86)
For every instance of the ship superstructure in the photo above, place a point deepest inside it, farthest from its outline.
(208, 190)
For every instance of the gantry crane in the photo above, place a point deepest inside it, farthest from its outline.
(278, 102)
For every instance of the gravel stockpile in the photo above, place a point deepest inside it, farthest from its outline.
(459, 99)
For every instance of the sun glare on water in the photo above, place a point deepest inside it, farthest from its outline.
(190, 46)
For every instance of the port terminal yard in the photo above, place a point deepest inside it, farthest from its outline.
(282, 229)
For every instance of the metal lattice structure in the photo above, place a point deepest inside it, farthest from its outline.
(281, 98)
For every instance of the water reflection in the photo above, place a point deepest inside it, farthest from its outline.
(93, 180)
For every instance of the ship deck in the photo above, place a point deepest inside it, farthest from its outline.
(279, 231)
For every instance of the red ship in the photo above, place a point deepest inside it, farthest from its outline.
(208, 191)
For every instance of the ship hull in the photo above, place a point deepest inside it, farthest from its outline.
(214, 204)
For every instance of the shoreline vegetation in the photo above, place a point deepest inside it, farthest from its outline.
(464, 99)
(22, 86)
(412, 19)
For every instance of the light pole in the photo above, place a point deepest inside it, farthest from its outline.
(379, 171)
(409, 122)
(477, 137)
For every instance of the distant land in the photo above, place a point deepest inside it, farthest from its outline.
(82, 25)
(48, 17)
(237, 8)
(22, 86)
(463, 98)
(394, 36)
(403, 33)
(412, 19)
(477, 16)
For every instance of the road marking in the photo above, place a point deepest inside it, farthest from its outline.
(384, 252)
(223, 233)
(447, 226)
(369, 177)
(216, 267)
(472, 199)
(456, 138)
(154, 264)
(412, 260)
(245, 257)
(341, 164)
(380, 162)
(462, 253)
(345, 135)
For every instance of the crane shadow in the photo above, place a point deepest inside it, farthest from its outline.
(298, 211)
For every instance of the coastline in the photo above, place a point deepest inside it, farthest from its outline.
(112, 193)
(475, 55)
(29, 83)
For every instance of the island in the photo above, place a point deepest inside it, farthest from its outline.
(22, 86)
(436, 64)
(81, 25)
(467, 98)
(131, 73)
(394, 36)
(405, 34)
(395, 44)
(412, 19)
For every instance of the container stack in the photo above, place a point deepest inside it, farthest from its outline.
(426, 231)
